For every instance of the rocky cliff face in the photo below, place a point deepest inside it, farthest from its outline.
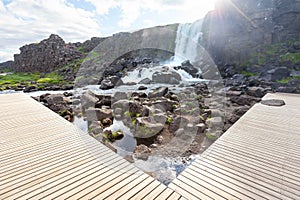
(45, 56)
(6, 65)
(237, 28)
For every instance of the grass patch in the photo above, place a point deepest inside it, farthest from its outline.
(286, 80)
(249, 74)
(27, 78)
(293, 57)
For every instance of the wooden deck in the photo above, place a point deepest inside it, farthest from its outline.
(257, 158)
(44, 156)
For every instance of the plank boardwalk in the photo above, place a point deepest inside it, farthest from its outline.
(257, 158)
(42, 156)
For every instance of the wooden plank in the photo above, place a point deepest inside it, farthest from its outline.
(145, 191)
(131, 189)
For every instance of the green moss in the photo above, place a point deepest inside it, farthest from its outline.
(130, 114)
(249, 74)
(211, 137)
(286, 80)
(169, 120)
(48, 80)
(293, 57)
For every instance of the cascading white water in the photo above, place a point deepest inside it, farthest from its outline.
(187, 42)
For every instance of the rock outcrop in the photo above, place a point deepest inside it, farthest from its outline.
(45, 56)
(237, 28)
(6, 65)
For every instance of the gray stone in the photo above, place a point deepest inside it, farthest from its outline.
(273, 102)
(159, 92)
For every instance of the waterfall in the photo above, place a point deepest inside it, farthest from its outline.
(187, 42)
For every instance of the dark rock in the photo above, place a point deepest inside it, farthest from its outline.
(256, 91)
(54, 99)
(30, 89)
(240, 111)
(296, 45)
(106, 85)
(244, 100)
(276, 74)
(142, 87)
(96, 114)
(45, 56)
(286, 89)
(273, 102)
(189, 68)
(159, 92)
(236, 80)
(145, 81)
(164, 105)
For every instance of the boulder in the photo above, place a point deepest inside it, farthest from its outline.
(159, 92)
(106, 85)
(256, 91)
(189, 68)
(147, 127)
(54, 99)
(88, 99)
(168, 77)
(145, 81)
(97, 114)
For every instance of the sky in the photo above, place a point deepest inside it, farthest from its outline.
(30, 21)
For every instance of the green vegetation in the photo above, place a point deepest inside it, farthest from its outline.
(249, 74)
(211, 137)
(130, 114)
(286, 80)
(293, 57)
(27, 78)
(169, 120)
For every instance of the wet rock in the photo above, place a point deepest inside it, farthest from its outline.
(273, 102)
(159, 92)
(95, 114)
(142, 87)
(88, 99)
(145, 81)
(106, 85)
(166, 77)
(189, 68)
(142, 152)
